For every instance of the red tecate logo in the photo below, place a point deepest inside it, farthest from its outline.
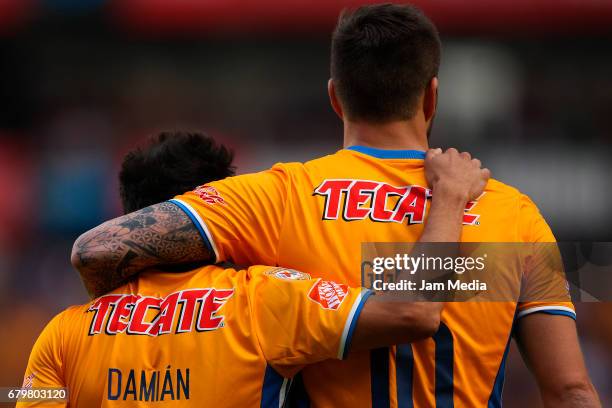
(179, 312)
(380, 202)
(328, 294)
(209, 195)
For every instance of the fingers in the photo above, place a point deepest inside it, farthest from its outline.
(476, 163)
(431, 153)
(486, 173)
(452, 151)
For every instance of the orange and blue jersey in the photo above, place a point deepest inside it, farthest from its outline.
(314, 216)
(211, 337)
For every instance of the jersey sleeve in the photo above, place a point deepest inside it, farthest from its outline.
(299, 320)
(545, 288)
(45, 363)
(240, 217)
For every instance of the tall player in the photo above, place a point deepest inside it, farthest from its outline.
(218, 336)
(383, 86)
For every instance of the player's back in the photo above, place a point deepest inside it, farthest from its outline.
(362, 197)
(179, 339)
(315, 216)
(350, 197)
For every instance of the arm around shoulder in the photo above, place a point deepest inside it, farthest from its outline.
(161, 234)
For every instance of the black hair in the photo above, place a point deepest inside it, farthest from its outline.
(382, 58)
(171, 164)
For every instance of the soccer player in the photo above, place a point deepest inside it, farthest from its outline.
(219, 336)
(384, 66)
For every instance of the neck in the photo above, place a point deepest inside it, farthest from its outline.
(400, 135)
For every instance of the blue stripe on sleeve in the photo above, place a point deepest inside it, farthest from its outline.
(347, 343)
(198, 226)
(556, 312)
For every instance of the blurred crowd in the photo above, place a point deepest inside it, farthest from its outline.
(76, 95)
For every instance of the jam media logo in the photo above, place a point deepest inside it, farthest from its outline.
(209, 195)
(288, 274)
(352, 200)
(328, 294)
(131, 314)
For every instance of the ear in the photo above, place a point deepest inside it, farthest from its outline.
(333, 99)
(430, 101)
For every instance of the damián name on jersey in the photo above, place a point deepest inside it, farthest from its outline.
(148, 385)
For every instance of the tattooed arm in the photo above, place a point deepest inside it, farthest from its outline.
(162, 234)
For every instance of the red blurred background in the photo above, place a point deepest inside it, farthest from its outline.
(525, 85)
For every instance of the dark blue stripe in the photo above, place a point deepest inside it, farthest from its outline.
(444, 367)
(404, 364)
(349, 337)
(298, 397)
(555, 312)
(198, 226)
(271, 388)
(388, 154)
(495, 399)
(379, 375)
(498, 385)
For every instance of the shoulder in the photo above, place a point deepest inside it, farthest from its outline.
(71, 316)
(329, 160)
(289, 169)
(283, 170)
(308, 174)
(70, 313)
(532, 226)
(310, 165)
(502, 189)
(497, 190)
(51, 336)
(506, 190)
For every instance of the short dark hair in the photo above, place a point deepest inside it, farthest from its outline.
(382, 58)
(171, 164)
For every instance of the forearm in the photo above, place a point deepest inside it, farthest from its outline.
(443, 225)
(445, 218)
(549, 345)
(579, 395)
(108, 255)
(383, 323)
(405, 322)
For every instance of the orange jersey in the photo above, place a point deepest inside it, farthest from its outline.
(211, 337)
(315, 216)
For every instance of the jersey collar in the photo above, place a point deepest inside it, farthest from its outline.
(388, 154)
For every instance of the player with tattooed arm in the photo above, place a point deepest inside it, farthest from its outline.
(187, 339)
(384, 88)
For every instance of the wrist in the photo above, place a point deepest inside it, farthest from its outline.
(450, 195)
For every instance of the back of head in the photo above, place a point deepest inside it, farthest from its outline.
(171, 164)
(383, 57)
